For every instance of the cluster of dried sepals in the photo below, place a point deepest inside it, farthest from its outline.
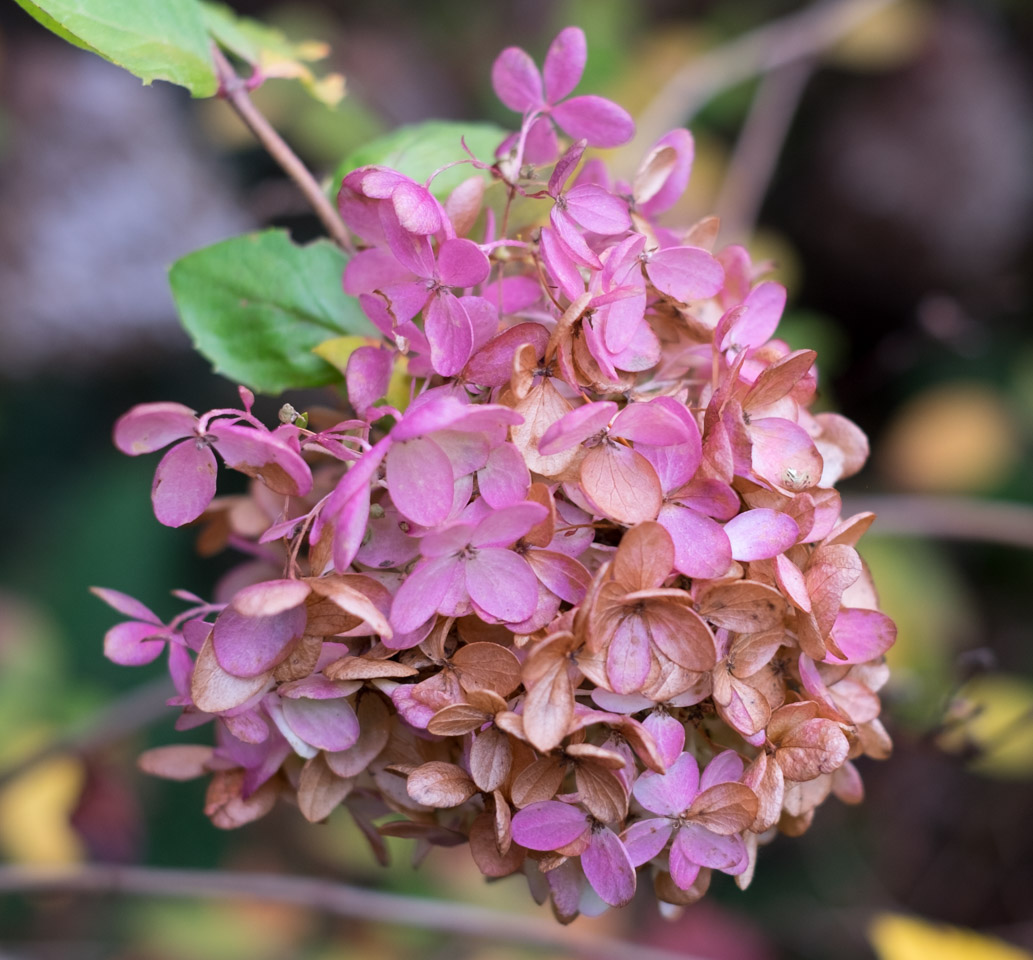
(588, 603)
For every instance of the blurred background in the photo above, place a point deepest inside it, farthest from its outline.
(888, 175)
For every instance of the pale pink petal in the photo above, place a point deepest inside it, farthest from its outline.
(668, 733)
(622, 320)
(685, 273)
(423, 591)
(563, 575)
(467, 452)
(564, 167)
(575, 427)
(642, 353)
(608, 868)
(386, 544)
(516, 80)
(420, 479)
(761, 534)
(449, 332)
(325, 724)
(446, 542)
(125, 604)
(504, 480)
(461, 263)
(501, 583)
(541, 146)
(792, 583)
(756, 325)
(712, 498)
(570, 237)
(696, 844)
(367, 377)
(629, 656)
(150, 426)
(184, 483)
(669, 793)
(484, 319)
(597, 210)
(659, 422)
(514, 294)
(599, 121)
(548, 825)
(416, 208)
(784, 454)
(414, 251)
(264, 456)
(507, 525)
(133, 644)
(621, 483)
(564, 63)
(678, 179)
(726, 767)
(701, 547)
(684, 870)
(675, 465)
(645, 839)
(862, 635)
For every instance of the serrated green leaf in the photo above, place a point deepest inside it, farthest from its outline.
(257, 305)
(153, 41)
(420, 149)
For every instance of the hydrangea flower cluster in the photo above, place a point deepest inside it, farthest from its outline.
(587, 602)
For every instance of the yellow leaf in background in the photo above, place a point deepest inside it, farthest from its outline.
(896, 937)
(337, 350)
(953, 438)
(887, 39)
(35, 810)
(994, 714)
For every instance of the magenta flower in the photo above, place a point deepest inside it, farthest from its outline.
(519, 85)
(703, 817)
(565, 827)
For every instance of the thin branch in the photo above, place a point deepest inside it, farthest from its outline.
(339, 899)
(758, 148)
(128, 714)
(949, 518)
(759, 51)
(234, 89)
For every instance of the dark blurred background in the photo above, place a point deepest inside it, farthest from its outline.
(890, 179)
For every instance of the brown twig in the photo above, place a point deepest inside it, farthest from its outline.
(130, 713)
(795, 37)
(950, 518)
(234, 89)
(329, 897)
(758, 148)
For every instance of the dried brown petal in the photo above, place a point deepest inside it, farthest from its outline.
(432, 833)
(301, 661)
(669, 892)
(644, 558)
(541, 534)
(742, 606)
(366, 668)
(375, 725)
(181, 761)
(601, 792)
(484, 849)
(442, 785)
(343, 603)
(549, 707)
(725, 808)
(539, 781)
(228, 809)
(621, 483)
(456, 720)
(320, 790)
(541, 408)
(490, 759)
(213, 689)
(764, 777)
(812, 748)
(487, 666)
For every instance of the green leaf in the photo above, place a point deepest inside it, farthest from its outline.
(257, 305)
(164, 40)
(267, 49)
(420, 149)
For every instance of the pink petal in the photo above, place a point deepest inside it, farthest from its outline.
(416, 208)
(669, 793)
(548, 825)
(678, 179)
(516, 80)
(784, 454)
(125, 604)
(701, 547)
(685, 273)
(577, 426)
(660, 422)
(367, 377)
(862, 635)
(599, 121)
(726, 767)
(621, 483)
(420, 478)
(461, 263)
(492, 366)
(541, 146)
(563, 575)
(501, 583)
(597, 210)
(446, 542)
(372, 269)
(403, 301)
(249, 646)
(413, 251)
(560, 265)
(507, 525)
(133, 644)
(184, 483)
(668, 733)
(263, 456)
(484, 319)
(645, 839)
(504, 480)
(150, 426)
(423, 591)
(608, 868)
(642, 353)
(756, 325)
(564, 63)
(573, 242)
(761, 534)
(564, 167)
(325, 724)
(449, 332)
(622, 321)
(696, 844)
